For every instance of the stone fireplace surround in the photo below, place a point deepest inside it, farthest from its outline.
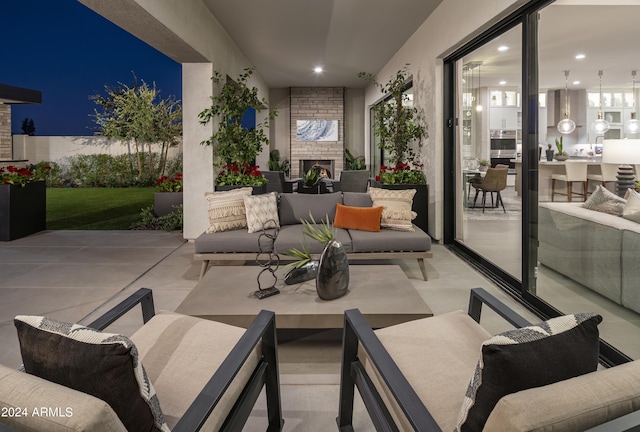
(317, 103)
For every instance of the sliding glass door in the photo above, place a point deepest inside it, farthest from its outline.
(505, 94)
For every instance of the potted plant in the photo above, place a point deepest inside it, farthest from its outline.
(23, 200)
(395, 122)
(275, 164)
(169, 194)
(484, 165)
(560, 155)
(234, 145)
(354, 163)
(397, 128)
(311, 182)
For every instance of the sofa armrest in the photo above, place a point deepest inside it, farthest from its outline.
(144, 297)
(358, 332)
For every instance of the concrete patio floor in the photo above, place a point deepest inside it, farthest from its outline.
(76, 275)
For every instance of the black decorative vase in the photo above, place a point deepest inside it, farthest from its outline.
(549, 154)
(301, 274)
(332, 280)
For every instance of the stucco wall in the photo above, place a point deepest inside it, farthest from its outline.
(52, 148)
(452, 24)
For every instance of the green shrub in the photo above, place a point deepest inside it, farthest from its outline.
(103, 170)
(169, 222)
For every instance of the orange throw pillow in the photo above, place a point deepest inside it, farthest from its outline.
(358, 218)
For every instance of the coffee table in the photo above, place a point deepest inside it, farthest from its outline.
(383, 293)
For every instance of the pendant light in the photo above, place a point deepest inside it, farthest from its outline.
(632, 126)
(566, 125)
(600, 126)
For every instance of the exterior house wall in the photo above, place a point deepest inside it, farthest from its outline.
(445, 30)
(5, 131)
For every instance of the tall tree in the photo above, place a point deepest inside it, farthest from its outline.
(137, 114)
(28, 127)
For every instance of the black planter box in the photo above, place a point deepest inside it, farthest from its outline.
(163, 202)
(420, 201)
(23, 210)
(257, 190)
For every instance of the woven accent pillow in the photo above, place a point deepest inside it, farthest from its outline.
(104, 365)
(631, 208)
(262, 211)
(226, 209)
(358, 218)
(605, 201)
(396, 214)
(533, 356)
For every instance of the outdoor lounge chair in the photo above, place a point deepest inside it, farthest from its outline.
(207, 375)
(416, 375)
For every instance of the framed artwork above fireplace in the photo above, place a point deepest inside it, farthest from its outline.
(316, 130)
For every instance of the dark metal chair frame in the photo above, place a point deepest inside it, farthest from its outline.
(262, 330)
(353, 374)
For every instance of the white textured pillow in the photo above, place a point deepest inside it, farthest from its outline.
(396, 214)
(603, 200)
(226, 209)
(631, 209)
(260, 210)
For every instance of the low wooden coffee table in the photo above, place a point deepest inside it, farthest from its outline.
(383, 293)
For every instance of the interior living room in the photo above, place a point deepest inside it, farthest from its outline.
(529, 148)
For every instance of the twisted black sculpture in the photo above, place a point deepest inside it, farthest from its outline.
(271, 261)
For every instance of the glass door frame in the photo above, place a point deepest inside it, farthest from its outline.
(527, 17)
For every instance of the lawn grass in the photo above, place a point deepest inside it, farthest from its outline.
(96, 208)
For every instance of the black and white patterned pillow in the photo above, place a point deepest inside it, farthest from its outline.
(533, 356)
(104, 365)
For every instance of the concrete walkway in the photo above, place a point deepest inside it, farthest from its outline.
(76, 275)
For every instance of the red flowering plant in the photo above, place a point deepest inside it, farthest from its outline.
(402, 173)
(170, 184)
(240, 174)
(21, 176)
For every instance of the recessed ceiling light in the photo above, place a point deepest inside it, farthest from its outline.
(576, 82)
(580, 56)
(502, 82)
(503, 48)
(318, 69)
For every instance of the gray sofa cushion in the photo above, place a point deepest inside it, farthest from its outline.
(357, 199)
(294, 207)
(227, 242)
(291, 236)
(390, 241)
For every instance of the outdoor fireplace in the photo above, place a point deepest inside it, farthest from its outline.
(325, 167)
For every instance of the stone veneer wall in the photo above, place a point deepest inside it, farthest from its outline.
(317, 103)
(5, 131)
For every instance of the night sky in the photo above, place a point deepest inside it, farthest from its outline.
(69, 52)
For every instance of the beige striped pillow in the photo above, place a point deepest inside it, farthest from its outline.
(396, 214)
(226, 209)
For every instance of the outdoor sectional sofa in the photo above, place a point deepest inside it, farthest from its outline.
(595, 249)
(292, 208)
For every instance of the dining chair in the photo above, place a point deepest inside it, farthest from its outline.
(494, 181)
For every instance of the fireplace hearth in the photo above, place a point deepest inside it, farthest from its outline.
(325, 167)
